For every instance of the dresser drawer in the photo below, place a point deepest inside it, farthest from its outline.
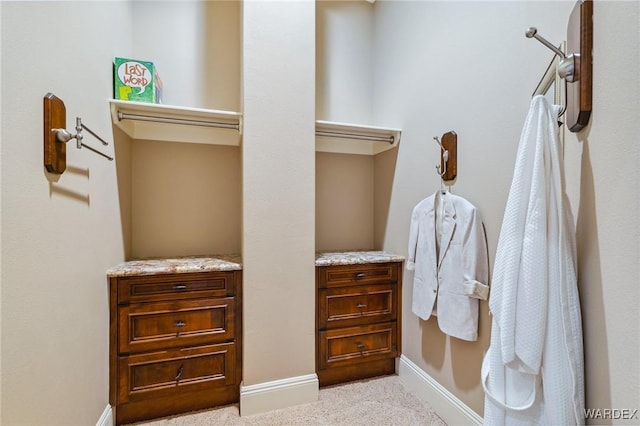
(158, 374)
(153, 288)
(356, 305)
(346, 346)
(154, 326)
(364, 274)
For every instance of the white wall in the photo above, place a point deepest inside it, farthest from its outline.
(0, 225)
(603, 160)
(59, 235)
(344, 202)
(196, 47)
(344, 79)
(467, 67)
(278, 154)
(186, 199)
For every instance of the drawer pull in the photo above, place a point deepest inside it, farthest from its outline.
(179, 323)
(179, 372)
(360, 346)
(361, 305)
(360, 275)
(179, 287)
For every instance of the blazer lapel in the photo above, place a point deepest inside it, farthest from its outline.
(448, 226)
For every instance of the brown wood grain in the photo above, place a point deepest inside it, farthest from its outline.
(450, 143)
(55, 117)
(580, 42)
(175, 343)
(357, 321)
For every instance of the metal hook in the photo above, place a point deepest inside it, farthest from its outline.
(567, 68)
(445, 157)
(63, 135)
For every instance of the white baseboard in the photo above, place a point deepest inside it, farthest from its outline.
(447, 405)
(263, 397)
(106, 418)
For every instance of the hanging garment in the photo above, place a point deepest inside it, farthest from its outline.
(448, 250)
(533, 370)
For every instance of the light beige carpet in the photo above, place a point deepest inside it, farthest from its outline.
(380, 401)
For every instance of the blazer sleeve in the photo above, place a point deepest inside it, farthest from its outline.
(476, 258)
(413, 238)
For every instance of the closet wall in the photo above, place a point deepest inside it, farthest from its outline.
(344, 201)
(186, 199)
(445, 69)
(439, 66)
(278, 177)
(59, 233)
(196, 46)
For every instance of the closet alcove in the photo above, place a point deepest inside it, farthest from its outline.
(354, 176)
(358, 284)
(175, 334)
(353, 192)
(180, 184)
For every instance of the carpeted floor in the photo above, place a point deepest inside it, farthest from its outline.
(375, 402)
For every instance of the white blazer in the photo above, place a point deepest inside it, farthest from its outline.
(440, 278)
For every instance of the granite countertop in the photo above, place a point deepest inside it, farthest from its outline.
(233, 262)
(177, 265)
(356, 257)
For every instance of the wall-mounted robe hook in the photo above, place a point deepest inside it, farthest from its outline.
(577, 67)
(445, 158)
(448, 156)
(567, 68)
(56, 135)
(63, 135)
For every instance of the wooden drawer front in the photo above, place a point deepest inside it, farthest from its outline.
(371, 273)
(348, 345)
(163, 325)
(348, 306)
(160, 374)
(175, 286)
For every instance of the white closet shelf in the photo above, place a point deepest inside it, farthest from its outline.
(354, 138)
(176, 124)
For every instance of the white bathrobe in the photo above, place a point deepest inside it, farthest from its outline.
(533, 370)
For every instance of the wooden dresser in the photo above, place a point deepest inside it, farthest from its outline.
(358, 307)
(175, 336)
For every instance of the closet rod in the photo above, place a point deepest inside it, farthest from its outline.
(388, 139)
(125, 116)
